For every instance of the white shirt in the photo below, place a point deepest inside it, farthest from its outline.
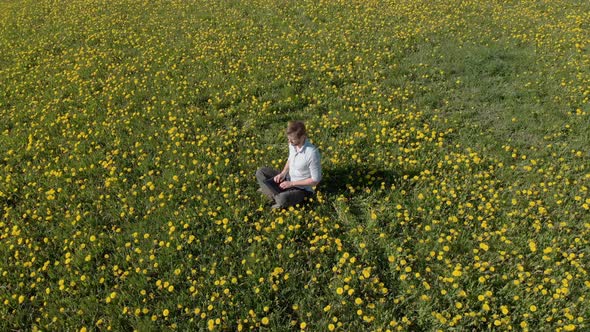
(304, 163)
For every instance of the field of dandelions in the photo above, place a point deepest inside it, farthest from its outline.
(454, 138)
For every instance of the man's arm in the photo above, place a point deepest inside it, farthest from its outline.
(300, 183)
(281, 176)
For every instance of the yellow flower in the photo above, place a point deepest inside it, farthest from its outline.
(532, 246)
(265, 320)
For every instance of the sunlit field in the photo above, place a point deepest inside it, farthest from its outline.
(454, 138)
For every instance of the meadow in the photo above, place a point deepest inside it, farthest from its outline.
(454, 138)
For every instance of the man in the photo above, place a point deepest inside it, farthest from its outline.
(301, 173)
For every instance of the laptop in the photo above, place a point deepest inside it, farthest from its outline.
(273, 186)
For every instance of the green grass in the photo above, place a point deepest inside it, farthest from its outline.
(454, 150)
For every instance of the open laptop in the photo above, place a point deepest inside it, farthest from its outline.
(273, 186)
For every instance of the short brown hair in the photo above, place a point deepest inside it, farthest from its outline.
(296, 128)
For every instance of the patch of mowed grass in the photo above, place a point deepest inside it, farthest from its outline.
(495, 91)
(453, 134)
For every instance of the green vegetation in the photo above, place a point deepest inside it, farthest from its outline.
(454, 138)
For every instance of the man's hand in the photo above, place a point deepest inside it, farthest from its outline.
(286, 184)
(280, 177)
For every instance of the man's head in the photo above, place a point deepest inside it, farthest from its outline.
(296, 133)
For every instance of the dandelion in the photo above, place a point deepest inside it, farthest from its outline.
(532, 246)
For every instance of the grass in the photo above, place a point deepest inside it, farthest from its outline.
(454, 151)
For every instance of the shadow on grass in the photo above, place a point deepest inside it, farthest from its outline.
(337, 181)
(353, 181)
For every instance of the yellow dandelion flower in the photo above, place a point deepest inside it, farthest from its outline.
(533, 246)
(569, 327)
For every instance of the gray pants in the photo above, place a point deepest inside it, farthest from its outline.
(289, 197)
